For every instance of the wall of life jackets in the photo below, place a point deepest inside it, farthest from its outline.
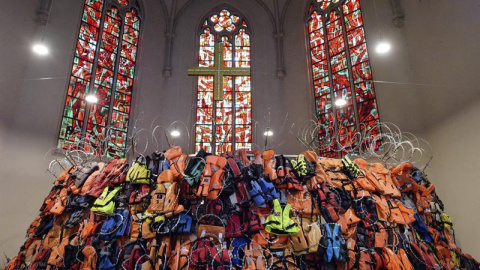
(242, 210)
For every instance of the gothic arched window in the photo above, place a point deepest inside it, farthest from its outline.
(103, 67)
(341, 70)
(225, 123)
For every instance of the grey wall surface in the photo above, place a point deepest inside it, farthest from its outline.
(427, 85)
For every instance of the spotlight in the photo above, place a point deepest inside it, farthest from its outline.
(340, 102)
(91, 98)
(268, 133)
(383, 47)
(40, 49)
(175, 133)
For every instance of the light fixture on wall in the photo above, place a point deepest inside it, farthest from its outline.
(340, 102)
(41, 47)
(383, 47)
(175, 133)
(268, 133)
(91, 98)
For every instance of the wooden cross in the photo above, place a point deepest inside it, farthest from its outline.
(218, 71)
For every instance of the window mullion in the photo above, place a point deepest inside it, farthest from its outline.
(330, 75)
(350, 69)
(91, 84)
(234, 93)
(115, 74)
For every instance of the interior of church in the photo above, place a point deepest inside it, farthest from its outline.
(240, 134)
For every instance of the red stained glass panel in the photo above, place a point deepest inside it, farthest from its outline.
(91, 16)
(130, 35)
(317, 38)
(223, 133)
(322, 86)
(334, 29)
(126, 67)
(119, 121)
(112, 26)
(353, 20)
(103, 94)
(109, 42)
(315, 22)
(203, 133)
(243, 133)
(74, 108)
(204, 116)
(243, 99)
(205, 99)
(96, 4)
(362, 72)
(223, 116)
(324, 104)
(364, 91)
(359, 54)
(129, 51)
(320, 69)
(355, 37)
(106, 59)
(71, 129)
(350, 6)
(367, 111)
(340, 80)
(243, 116)
(98, 115)
(82, 69)
(89, 33)
(336, 45)
(338, 62)
(104, 77)
(122, 103)
(346, 116)
(77, 87)
(124, 85)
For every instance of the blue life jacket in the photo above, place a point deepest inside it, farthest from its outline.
(238, 251)
(257, 194)
(268, 190)
(422, 229)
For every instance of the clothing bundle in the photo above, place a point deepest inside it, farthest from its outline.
(241, 210)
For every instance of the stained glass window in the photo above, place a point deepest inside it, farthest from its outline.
(341, 69)
(226, 124)
(104, 66)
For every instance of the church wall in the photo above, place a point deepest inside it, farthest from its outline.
(455, 171)
(35, 90)
(445, 66)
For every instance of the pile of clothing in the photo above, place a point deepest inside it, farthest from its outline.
(241, 210)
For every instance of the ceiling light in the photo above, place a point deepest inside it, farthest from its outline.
(383, 47)
(91, 98)
(175, 133)
(268, 133)
(40, 49)
(340, 102)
